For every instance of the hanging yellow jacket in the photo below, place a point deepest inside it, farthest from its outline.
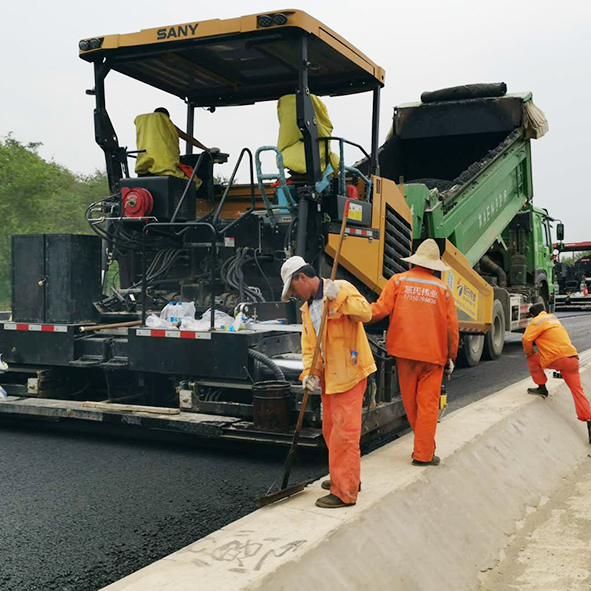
(157, 135)
(290, 136)
(344, 333)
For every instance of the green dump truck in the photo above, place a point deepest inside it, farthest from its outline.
(465, 156)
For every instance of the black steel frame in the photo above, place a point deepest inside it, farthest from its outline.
(116, 157)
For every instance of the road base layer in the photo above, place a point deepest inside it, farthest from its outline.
(413, 528)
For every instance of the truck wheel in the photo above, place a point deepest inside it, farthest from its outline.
(494, 340)
(470, 350)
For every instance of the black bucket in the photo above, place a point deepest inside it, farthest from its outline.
(270, 405)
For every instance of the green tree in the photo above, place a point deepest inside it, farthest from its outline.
(38, 197)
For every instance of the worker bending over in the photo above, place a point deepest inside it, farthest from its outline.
(555, 351)
(423, 336)
(344, 363)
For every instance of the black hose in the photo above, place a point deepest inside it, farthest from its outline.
(288, 234)
(488, 264)
(252, 293)
(256, 260)
(261, 358)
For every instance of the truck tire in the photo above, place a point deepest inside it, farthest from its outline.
(470, 351)
(494, 340)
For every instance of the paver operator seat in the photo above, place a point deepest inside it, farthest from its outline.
(290, 137)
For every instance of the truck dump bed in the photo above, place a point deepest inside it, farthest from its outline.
(475, 153)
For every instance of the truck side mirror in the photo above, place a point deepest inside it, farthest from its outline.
(560, 232)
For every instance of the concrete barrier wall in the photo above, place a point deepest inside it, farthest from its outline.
(419, 529)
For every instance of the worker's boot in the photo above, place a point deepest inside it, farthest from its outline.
(434, 461)
(540, 390)
(589, 430)
(332, 502)
(326, 485)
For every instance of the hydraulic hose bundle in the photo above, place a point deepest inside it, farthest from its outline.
(159, 268)
(101, 216)
(115, 232)
(232, 275)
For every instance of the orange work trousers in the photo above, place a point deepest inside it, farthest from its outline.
(420, 385)
(341, 427)
(569, 368)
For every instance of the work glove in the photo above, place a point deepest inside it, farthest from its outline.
(311, 383)
(331, 289)
(449, 367)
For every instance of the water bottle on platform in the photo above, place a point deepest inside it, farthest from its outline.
(178, 313)
(167, 311)
(3, 393)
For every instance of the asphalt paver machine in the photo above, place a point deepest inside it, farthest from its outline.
(218, 247)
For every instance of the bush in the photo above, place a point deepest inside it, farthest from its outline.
(39, 197)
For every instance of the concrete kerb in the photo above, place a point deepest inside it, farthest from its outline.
(412, 528)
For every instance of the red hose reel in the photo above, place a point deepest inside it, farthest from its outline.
(137, 202)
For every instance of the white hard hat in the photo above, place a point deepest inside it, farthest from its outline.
(289, 267)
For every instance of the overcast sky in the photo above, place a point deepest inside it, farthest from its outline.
(542, 46)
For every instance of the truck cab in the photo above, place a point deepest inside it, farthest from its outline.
(540, 262)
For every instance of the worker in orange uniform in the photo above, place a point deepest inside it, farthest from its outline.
(423, 336)
(555, 351)
(344, 363)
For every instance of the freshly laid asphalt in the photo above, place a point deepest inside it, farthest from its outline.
(78, 511)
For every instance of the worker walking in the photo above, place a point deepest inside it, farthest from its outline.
(423, 337)
(343, 366)
(555, 351)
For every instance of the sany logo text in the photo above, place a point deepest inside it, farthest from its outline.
(176, 32)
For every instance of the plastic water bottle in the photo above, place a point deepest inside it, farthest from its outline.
(174, 319)
(238, 323)
(166, 311)
(3, 393)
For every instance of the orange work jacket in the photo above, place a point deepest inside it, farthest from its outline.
(550, 337)
(343, 334)
(423, 317)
